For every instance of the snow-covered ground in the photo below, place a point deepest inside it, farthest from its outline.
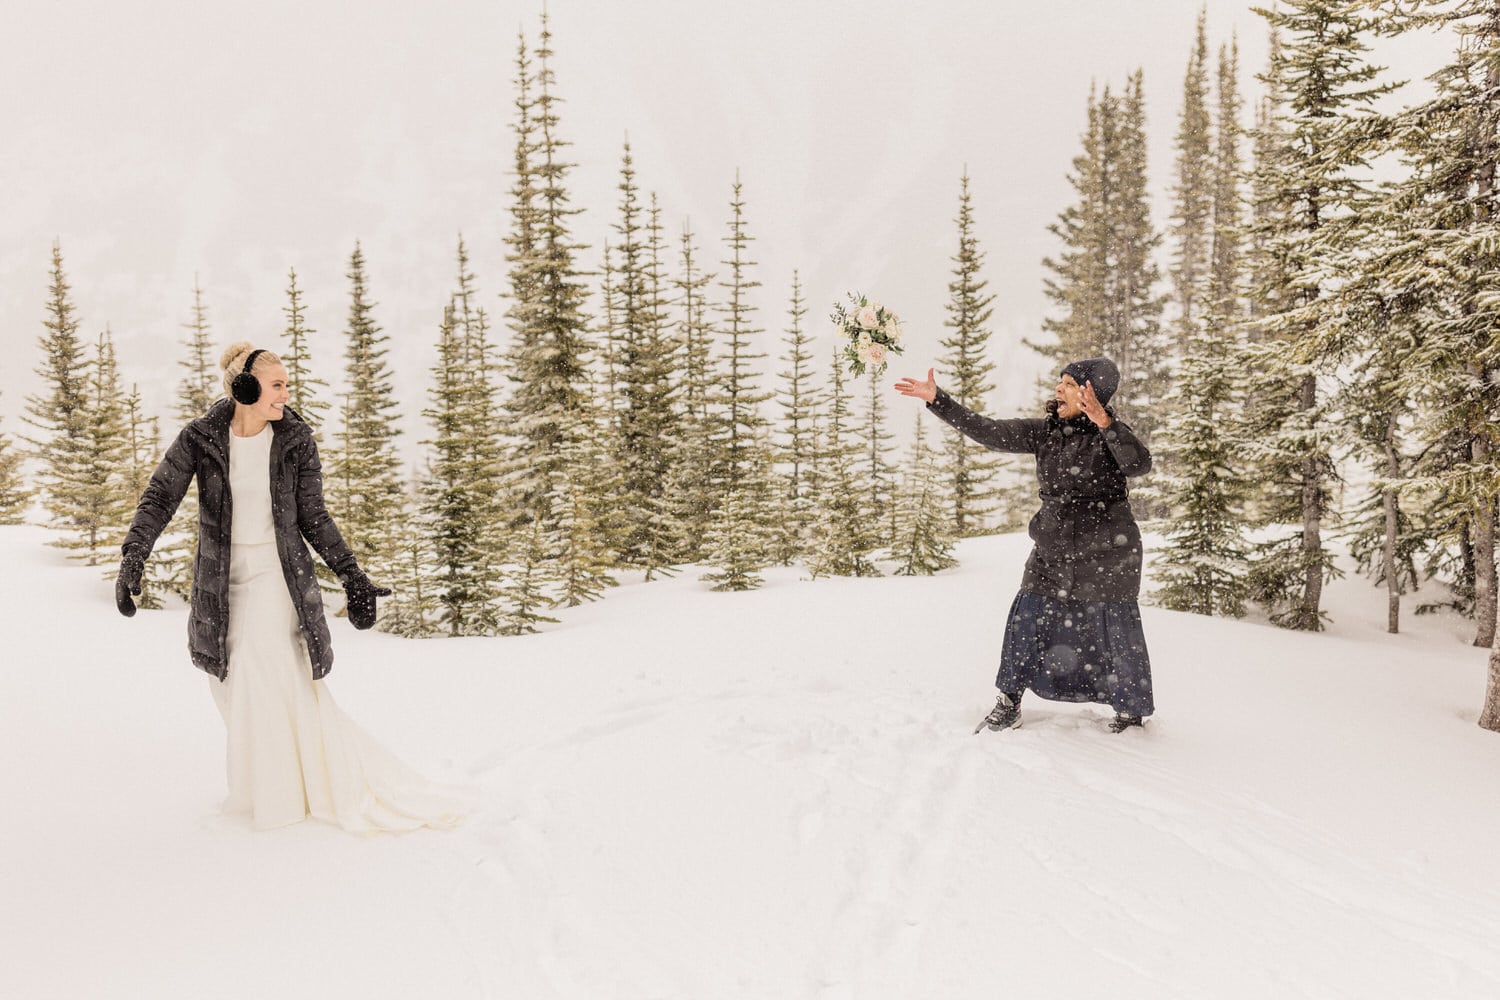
(773, 794)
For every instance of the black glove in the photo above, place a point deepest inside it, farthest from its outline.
(129, 582)
(361, 594)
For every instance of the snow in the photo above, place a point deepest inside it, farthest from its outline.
(770, 794)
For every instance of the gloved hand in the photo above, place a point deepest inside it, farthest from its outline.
(361, 594)
(129, 582)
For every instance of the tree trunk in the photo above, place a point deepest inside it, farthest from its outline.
(1312, 523)
(1489, 718)
(1392, 529)
(1484, 555)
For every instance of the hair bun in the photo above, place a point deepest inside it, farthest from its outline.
(234, 355)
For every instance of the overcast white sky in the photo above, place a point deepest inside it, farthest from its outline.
(159, 140)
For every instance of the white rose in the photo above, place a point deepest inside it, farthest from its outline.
(877, 356)
(867, 318)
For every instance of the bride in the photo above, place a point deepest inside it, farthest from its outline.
(256, 621)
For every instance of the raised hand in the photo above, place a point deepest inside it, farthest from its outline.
(925, 391)
(1092, 408)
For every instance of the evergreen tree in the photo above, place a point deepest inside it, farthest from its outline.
(304, 386)
(365, 488)
(582, 543)
(924, 544)
(485, 451)
(450, 504)
(1441, 274)
(1142, 347)
(1105, 279)
(742, 397)
(697, 484)
(101, 507)
(525, 591)
(881, 501)
(741, 538)
(199, 385)
(646, 355)
(1193, 193)
(59, 412)
(15, 496)
(799, 447)
(550, 343)
(845, 530)
(414, 609)
(1202, 567)
(972, 470)
(1314, 190)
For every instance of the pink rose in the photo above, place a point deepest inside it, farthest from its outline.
(867, 318)
(877, 355)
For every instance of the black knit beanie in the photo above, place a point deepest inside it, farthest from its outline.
(1100, 371)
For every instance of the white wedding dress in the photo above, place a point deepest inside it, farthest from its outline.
(291, 752)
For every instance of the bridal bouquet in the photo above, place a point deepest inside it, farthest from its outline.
(873, 333)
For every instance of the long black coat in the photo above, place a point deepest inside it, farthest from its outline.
(1088, 547)
(297, 509)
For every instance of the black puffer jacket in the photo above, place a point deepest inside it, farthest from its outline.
(297, 508)
(1088, 547)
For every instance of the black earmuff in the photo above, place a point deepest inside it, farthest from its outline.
(246, 387)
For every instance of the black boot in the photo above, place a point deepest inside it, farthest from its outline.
(1005, 715)
(1122, 722)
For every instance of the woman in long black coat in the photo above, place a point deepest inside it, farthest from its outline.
(1074, 631)
(256, 623)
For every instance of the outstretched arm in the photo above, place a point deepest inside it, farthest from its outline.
(313, 519)
(998, 435)
(163, 494)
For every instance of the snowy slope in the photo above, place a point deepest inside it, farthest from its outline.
(773, 794)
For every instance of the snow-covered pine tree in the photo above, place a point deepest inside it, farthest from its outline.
(450, 505)
(1142, 346)
(880, 474)
(740, 393)
(645, 352)
(923, 545)
(973, 471)
(1203, 566)
(741, 538)
(550, 341)
(1377, 406)
(798, 446)
(1446, 269)
(1192, 222)
(486, 445)
(844, 535)
(1104, 282)
(365, 488)
(525, 594)
(698, 477)
(736, 543)
(15, 496)
(101, 507)
(581, 547)
(1315, 188)
(199, 385)
(59, 410)
(304, 387)
(413, 610)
